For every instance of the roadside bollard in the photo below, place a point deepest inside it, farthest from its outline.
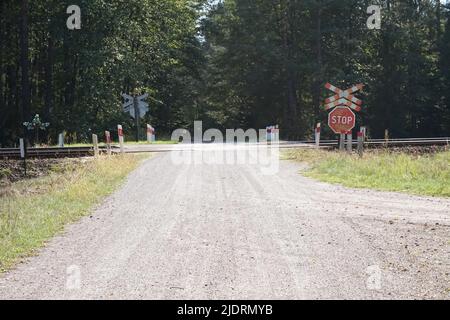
(121, 138)
(61, 140)
(149, 134)
(269, 135)
(317, 135)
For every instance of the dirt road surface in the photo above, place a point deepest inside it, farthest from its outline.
(211, 230)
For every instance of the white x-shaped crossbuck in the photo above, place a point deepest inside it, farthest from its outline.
(343, 97)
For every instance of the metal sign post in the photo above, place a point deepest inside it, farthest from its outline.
(136, 118)
(349, 142)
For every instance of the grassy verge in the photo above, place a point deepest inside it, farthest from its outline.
(33, 211)
(422, 174)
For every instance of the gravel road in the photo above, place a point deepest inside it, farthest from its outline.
(206, 230)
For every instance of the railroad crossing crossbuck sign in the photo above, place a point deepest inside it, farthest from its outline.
(343, 97)
(342, 119)
(135, 104)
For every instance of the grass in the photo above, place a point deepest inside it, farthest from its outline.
(427, 174)
(33, 211)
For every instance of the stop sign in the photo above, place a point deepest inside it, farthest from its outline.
(341, 120)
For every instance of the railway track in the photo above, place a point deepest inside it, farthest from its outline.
(391, 143)
(76, 152)
(70, 152)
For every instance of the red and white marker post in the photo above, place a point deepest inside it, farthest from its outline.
(121, 138)
(276, 135)
(361, 139)
(317, 134)
(151, 134)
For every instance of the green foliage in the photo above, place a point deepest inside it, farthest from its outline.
(77, 77)
(230, 63)
(416, 174)
(268, 63)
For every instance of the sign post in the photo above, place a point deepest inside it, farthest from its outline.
(341, 142)
(349, 142)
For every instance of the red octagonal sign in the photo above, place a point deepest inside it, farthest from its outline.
(341, 120)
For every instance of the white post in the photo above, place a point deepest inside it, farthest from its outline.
(364, 132)
(22, 148)
(121, 139)
(61, 140)
(149, 133)
(269, 135)
(23, 154)
(317, 135)
(95, 143)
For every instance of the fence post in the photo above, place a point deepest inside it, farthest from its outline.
(95, 143)
(318, 127)
(108, 142)
(386, 137)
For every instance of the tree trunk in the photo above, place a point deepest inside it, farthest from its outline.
(2, 71)
(25, 63)
(318, 81)
(291, 109)
(48, 107)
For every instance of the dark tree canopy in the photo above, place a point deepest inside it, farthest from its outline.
(232, 63)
